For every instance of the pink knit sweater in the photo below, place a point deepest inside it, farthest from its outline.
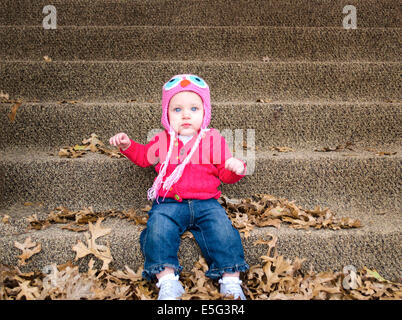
(202, 175)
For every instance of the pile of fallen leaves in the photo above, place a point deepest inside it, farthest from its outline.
(78, 220)
(92, 144)
(266, 210)
(281, 279)
(274, 278)
(259, 211)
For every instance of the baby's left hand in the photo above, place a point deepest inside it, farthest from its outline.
(235, 165)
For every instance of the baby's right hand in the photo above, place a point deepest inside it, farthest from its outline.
(120, 140)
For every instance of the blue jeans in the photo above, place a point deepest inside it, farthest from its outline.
(219, 241)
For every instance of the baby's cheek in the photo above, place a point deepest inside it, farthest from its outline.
(173, 123)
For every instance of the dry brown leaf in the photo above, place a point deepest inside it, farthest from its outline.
(281, 149)
(100, 251)
(5, 219)
(67, 101)
(269, 222)
(340, 147)
(129, 274)
(85, 216)
(69, 152)
(93, 142)
(385, 153)
(36, 224)
(144, 292)
(39, 204)
(26, 290)
(13, 111)
(4, 96)
(28, 248)
(73, 227)
(271, 244)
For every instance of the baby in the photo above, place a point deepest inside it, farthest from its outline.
(191, 161)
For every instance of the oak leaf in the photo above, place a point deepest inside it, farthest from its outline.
(27, 291)
(13, 111)
(28, 248)
(92, 143)
(100, 251)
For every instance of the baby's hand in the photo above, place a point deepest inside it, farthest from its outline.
(120, 140)
(235, 166)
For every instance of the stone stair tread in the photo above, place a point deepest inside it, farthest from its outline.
(208, 12)
(234, 81)
(198, 27)
(291, 122)
(364, 182)
(40, 154)
(384, 221)
(251, 43)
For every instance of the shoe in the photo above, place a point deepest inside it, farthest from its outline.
(170, 289)
(232, 287)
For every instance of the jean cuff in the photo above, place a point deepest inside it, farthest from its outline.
(150, 273)
(217, 273)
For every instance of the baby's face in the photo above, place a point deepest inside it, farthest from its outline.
(185, 113)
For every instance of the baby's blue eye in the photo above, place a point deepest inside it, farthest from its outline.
(172, 83)
(198, 81)
(177, 109)
(194, 109)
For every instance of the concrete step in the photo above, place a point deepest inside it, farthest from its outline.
(297, 13)
(229, 43)
(375, 245)
(343, 181)
(50, 126)
(116, 81)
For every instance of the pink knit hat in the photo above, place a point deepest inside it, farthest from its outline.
(179, 83)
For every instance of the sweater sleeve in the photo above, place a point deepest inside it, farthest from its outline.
(225, 175)
(142, 155)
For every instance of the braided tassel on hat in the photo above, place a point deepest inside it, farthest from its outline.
(153, 191)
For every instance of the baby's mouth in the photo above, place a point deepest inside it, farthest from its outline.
(186, 125)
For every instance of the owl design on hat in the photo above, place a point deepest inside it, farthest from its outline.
(186, 82)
